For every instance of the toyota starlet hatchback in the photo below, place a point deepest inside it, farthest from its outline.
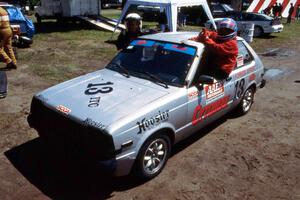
(152, 95)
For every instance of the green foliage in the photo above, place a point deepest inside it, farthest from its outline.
(30, 3)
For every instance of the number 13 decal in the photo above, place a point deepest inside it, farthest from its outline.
(239, 88)
(103, 88)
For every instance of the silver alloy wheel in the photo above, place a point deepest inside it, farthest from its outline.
(247, 100)
(155, 156)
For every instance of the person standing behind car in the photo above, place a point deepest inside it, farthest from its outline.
(162, 20)
(291, 10)
(133, 23)
(6, 51)
(280, 9)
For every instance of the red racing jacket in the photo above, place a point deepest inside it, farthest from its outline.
(226, 51)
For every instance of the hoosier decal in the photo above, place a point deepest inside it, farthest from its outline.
(153, 121)
(90, 122)
(201, 113)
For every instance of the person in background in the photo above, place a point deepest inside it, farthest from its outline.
(133, 23)
(298, 12)
(221, 49)
(280, 9)
(6, 51)
(275, 9)
(181, 18)
(291, 10)
(162, 20)
(267, 10)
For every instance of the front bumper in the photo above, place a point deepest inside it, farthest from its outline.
(73, 136)
(79, 141)
(276, 28)
(121, 166)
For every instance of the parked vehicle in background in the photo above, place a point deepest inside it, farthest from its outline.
(263, 24)
(220, 9)
(111, 3)
(149, 97)
(60, 9)
(197, 16)
(149, 13)
(23, 27)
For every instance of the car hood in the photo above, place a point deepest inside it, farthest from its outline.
(116, 98)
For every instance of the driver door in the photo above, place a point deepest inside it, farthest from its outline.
(209, 102)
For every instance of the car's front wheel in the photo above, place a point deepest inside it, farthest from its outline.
(153, 156)
(258, 31)
(246, 102)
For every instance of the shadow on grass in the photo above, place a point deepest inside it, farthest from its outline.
(59, 178)
(266, 36)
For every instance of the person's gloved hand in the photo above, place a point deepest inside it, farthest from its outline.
(203, 35)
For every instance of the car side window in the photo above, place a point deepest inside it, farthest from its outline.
(244, 56)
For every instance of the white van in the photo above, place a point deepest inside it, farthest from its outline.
(55, 9)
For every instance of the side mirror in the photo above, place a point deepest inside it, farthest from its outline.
(205, 79)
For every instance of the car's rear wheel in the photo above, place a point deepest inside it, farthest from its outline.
(246, 102)
(258, 31)
(153, 156)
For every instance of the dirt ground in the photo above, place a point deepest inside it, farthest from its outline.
(256, 156)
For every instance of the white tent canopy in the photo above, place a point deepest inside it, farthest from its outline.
(171, 8)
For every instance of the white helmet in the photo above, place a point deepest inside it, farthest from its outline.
(133, 17)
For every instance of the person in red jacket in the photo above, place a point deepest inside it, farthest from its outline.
(221, 50)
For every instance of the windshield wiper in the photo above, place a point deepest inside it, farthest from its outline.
(152, 76)
(127, 75)
(156, 78)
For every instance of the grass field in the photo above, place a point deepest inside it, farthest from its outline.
(63, 51)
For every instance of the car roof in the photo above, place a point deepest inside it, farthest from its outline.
(174, 37)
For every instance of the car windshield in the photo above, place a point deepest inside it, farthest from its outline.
(266, 17)
(163, 62)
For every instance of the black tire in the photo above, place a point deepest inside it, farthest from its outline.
(155, 153)
(246, 102)
(258, 31)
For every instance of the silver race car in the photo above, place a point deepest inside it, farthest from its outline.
(152, 95)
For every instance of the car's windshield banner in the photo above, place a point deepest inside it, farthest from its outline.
(145, 43)
(167, 46)
(181, 49)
